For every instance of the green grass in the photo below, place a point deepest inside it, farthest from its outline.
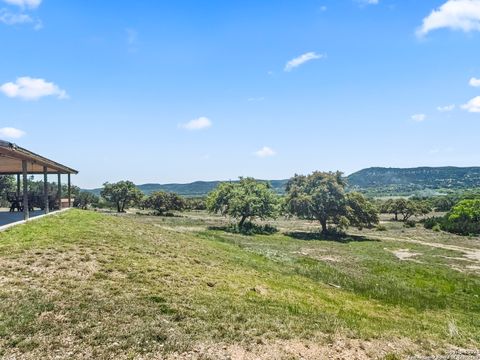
(102, 286)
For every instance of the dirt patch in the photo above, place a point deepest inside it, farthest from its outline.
(329, 258)
(294, 349)
(473, 255)
(455, 355)
(468, 253)
(474, 268)
(404, 254)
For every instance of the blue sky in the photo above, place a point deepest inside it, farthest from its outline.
(176, 91)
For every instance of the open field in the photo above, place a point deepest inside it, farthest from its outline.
(84, 285)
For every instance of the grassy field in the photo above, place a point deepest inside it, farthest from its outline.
(84, 285)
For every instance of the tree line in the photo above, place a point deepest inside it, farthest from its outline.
(319, 196)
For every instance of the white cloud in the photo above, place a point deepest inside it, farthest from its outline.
(9, 132)
(28, 88)
(367, 2)
(446, 108)
(419, 117)
(302, 59)
(454, 14)
(9, 18)
(197, 124)
(31, 4)
(474, 82)
(265, 152)
(473, 105)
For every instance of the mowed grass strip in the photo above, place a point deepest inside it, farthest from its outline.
(93, 285)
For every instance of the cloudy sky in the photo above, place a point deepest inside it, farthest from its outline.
(176, 91)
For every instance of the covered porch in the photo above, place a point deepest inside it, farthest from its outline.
(22, 163)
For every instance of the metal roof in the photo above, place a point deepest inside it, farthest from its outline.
(11, 157)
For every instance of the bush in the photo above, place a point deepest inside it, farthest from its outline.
(409, 224)
(85, 199)
(431, 222)
(248, 228)
(381, 228)
(464, 219)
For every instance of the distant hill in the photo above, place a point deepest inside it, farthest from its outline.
(390, 181)
(375, 181)
(195, 189)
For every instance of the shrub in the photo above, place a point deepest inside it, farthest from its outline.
(432, 221)
(381, 228)
(85, 199)
(464, 219)
(409, 224)
(248, 228)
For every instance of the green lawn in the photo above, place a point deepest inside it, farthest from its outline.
(89, 285)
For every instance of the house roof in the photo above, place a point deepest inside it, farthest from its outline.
(12, 155)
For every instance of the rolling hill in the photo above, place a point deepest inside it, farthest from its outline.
(195, 189)
(400, 181)
(374, 181)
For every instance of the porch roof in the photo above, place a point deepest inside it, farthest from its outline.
(12, 155)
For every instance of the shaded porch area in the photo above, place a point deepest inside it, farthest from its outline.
(25, 203)
(7, 217)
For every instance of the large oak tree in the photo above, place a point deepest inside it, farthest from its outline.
(244, 200)
(122, 194)
(321, 196)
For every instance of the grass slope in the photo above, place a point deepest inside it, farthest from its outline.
(87, 285)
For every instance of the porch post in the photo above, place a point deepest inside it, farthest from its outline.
(45, 190)
(69, 191)
(26, 213)
(59, 191)
(18, 185)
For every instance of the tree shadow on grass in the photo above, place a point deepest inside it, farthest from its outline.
(332, 236)
(160, 215)
(246, 229)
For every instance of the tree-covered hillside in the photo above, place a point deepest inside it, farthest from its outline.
(374, 181)
(197, 188)
(397, 181)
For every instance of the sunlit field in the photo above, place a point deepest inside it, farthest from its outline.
(90, 285)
